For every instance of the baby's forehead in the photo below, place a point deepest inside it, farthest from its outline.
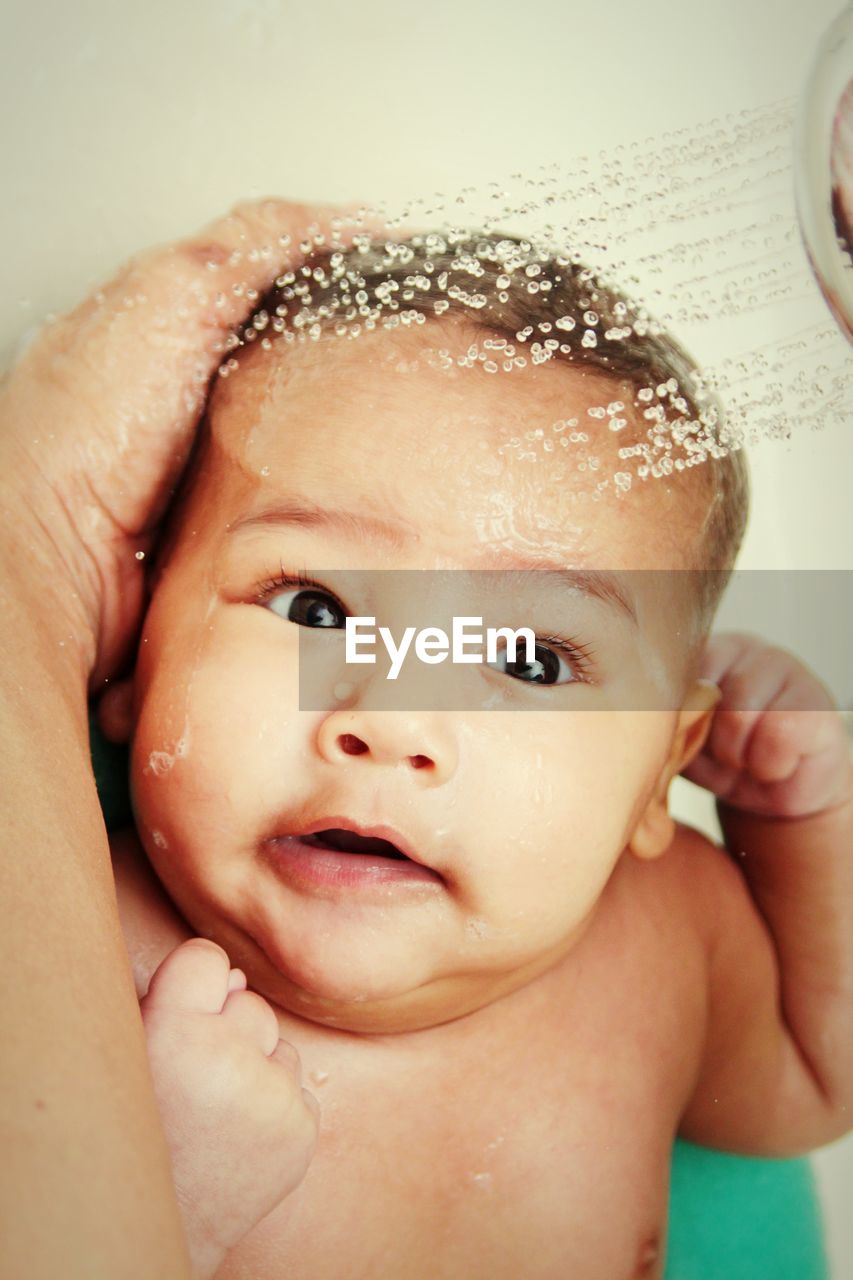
(388, 408)
(425, 375)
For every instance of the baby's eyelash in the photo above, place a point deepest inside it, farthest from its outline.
(290, 578)
(580, 655)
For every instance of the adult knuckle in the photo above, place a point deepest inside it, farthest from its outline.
(169, 276)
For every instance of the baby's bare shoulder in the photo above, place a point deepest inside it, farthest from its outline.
(691, 867)
(690, 843)
(714, 896)
(151, 926)
(705, 878)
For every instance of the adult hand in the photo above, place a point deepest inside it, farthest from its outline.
(97, 418)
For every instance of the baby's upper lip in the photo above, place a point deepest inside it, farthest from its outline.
(376, 831)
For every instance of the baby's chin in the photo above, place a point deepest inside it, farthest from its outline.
(376, 997)
(419, 1009)
(381, 996)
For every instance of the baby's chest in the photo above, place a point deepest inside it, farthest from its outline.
(551, 1175)
(540, 1150)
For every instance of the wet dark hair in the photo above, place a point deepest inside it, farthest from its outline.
(550, 306)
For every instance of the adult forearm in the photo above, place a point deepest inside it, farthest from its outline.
(85, 1184)
(800, 872)
(96, 421)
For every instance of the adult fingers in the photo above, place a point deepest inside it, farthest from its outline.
(127, 370)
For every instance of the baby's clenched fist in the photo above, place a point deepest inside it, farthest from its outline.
(241, 1129)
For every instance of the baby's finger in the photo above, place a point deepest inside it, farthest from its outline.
(773, 754)
(805, 693)
(286, 1054)
(252, 1017)
(312, 1104)
(193, 978)
(748, 688)
(237, 980)
(729, 736)
(721, 652)
(717, 778)
(788, 734)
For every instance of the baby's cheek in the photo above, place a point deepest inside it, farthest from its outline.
(168, 763)
(562, 809)
(217, 748)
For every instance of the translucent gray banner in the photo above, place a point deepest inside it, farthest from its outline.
(586, 639)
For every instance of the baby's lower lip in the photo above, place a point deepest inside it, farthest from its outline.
(310, 866)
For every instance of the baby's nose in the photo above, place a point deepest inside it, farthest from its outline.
(415, 739)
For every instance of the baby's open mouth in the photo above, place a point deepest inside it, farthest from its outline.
(336, 859)
(349, 842)
(347, 855)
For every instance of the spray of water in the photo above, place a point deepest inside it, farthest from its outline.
(626, 260)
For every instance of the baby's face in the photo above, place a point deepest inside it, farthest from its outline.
(515, 817)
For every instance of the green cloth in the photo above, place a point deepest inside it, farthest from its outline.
(731, 1217)
(741, 1218)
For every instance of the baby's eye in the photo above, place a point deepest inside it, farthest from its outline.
(308, 607)
(549, 666)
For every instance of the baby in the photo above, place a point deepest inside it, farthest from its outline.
(478, 939)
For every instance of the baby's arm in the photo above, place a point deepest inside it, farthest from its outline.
(777, 1070)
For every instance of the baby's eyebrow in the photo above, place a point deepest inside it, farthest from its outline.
(350, 523)
(601, 584)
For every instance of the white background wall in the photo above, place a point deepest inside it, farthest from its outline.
(127, 123)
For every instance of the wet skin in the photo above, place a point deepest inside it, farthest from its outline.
(503, 1033)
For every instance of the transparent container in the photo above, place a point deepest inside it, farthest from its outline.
(823, 167)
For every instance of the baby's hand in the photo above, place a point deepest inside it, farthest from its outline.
(777, 744)
(240, 1128)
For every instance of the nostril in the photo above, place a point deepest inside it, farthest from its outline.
(351, 745)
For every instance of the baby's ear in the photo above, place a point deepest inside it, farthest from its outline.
(694, 723)
(115, 711)
(653, 833)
